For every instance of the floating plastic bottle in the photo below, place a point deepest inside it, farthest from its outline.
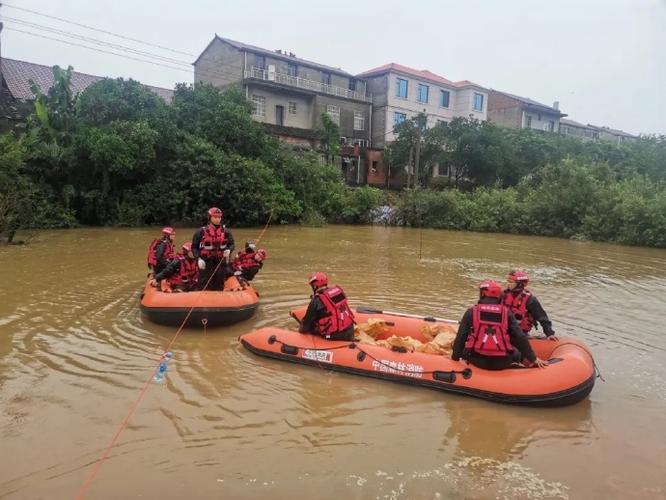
(161, 372)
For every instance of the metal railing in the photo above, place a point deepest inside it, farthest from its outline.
(302, 83)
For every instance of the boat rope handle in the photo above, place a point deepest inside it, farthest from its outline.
(466, 373)
(597, 372)
(87, 483)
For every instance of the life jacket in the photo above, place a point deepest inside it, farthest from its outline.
(187, 272)
(245, 261)
(490, 331)
(168, 254)
(518, 305)
(338, 316)
(213, 242)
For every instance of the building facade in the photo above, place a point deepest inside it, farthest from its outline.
(289, 94)
(595, 133)
(513, 111)
(400, 93)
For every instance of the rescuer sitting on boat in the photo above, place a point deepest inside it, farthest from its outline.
(247, 263)
(328, 313)
(489, 335)
(525, 306)
(161, 250)
(180, 274)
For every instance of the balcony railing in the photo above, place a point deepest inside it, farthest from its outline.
(302, 83)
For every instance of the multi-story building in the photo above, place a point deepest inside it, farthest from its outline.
(594, 133)
(289, 95)
(399, 93)
(513, 111)
(579, 130)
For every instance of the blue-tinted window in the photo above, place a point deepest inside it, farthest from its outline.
(398, 118)
(444, 96)
(478, 102)
(401, 88)
(422, 93)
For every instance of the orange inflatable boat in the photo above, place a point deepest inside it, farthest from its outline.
(568, 379)
(235, 303)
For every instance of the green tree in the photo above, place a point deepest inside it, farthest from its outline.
(329, 137)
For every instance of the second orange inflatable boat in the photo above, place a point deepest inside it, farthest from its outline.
(568, 379)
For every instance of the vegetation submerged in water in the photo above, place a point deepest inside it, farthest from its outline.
(117, 154)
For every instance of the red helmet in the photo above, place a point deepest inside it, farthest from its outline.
(490, 288)
(262, 254)
(168, 231)
(187, 247)
(518, 276)
(215, 212)
(318, 280)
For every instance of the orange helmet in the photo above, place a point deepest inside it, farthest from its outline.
(215, 212)
(520, 277)
(318, 280)
(490, 288)
(168, 231)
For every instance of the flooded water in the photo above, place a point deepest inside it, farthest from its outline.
(75, 352)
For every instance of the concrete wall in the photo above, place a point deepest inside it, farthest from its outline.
(507, 117)
(464, 105)
(275, 97)
(540, 120)
(347, 109)
(220, 65)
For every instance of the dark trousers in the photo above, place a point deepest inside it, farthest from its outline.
(217, 281)
(249, 274)
(347, 334)
(495, 363)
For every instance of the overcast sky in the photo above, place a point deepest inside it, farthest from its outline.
(604, 60)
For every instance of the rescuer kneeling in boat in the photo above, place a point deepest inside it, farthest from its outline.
(328, 313)
(180, 274)
(525, 306)
(489, 335)
(248, 262)
(212, 246)
(161, 250)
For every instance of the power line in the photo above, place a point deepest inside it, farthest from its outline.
(96, 49)
(97, 29)
(69, 34)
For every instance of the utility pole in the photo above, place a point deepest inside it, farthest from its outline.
(417, 160)
(409, 164)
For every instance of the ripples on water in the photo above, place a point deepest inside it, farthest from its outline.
(74, 352)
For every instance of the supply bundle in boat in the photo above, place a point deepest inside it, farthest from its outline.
(237, 302)
(568, 379)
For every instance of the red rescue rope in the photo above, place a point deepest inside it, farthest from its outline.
(93, 473)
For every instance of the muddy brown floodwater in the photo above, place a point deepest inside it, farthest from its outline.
(75, 352)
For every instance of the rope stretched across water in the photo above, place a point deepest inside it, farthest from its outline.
(87, 483)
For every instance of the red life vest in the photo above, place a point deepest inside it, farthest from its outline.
(338, 316)
(518, 305)
(245, 261)
(490, 331)
(152, 251)
(187, 272)
(213, 242)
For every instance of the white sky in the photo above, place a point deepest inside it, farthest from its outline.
(604, 60)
